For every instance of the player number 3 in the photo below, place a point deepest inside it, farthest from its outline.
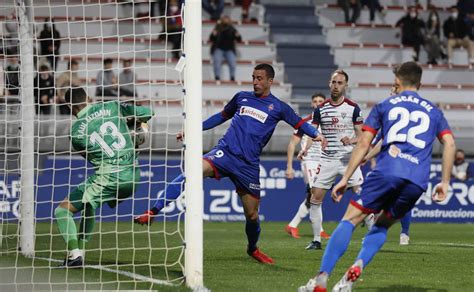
(405, 118)
(115, 133)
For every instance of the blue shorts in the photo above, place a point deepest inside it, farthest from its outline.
(244, 175)
(396, 196)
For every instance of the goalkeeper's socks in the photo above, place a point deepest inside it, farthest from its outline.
(67, 227)
(171, 193)
(405, 221)
(373, 242)
(337, 246)
(252, 229)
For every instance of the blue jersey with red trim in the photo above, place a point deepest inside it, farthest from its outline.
(408, 125)
(253, 121)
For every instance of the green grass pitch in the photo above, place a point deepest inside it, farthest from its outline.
(440, 257)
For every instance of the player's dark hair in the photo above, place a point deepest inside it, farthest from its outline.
(267, 68)
(342, 72)
(409, 74)
(460, 150)
(316, 94)
(108, 61)
(72, 62)
(75, 95)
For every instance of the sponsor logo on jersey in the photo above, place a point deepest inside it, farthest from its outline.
(244, 99)
(254, 113)
(395, 152)
(335, 120)
(343, 115)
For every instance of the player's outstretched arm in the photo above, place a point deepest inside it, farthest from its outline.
(139, 113)
(213, 121)
(290, 152)
(449, 149)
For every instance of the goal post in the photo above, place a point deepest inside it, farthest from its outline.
(27, 167)
(193, 138)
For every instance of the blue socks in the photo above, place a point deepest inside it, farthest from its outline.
(171, 193)
(373, 242)
(252, 229)
(405, 221)
(337, 246)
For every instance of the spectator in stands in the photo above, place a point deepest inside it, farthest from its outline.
(460, 166)
(470, 33)
(213, 7)
(455, 31)
(346, 5)
(432, 37)
(245, 8)
(127, 80)
(12, 76)
(174, 28)
(44, 90)
(373, 5)
(223, 39)
(50, 42)
(66, 80)
(465, 7)
(412, 30)
(107, 80)
(10, 38)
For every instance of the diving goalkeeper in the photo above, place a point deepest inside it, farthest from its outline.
(101, 135)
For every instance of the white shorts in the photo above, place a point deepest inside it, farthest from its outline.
(310, 170)
(329, 170)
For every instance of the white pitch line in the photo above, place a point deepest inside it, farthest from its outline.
(123, 273)
(453, 244)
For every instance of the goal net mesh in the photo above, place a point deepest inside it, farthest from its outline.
(115, 50)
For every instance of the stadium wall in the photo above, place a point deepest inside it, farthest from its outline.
(280, 197)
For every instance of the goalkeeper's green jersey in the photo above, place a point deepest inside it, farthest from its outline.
(102, 135)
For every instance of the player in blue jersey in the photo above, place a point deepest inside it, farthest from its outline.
(254, 116)
(409, 125)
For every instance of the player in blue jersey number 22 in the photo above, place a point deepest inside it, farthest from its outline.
(254, 116)
(409, 125)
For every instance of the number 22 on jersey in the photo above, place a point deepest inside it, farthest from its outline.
(114, 132)
(404, 117)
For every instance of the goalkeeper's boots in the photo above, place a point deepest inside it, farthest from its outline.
(317, 284)
(314, 245)
(145, 218)
(346, 282)
(261, 257)
(73, 263)
(292, 231)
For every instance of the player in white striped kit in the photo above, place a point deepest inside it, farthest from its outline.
(340, 121)
(309, 165)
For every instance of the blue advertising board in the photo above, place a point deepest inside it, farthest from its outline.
(280, 197)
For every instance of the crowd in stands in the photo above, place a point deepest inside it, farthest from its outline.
(438, 39)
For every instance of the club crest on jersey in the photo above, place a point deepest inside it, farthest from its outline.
(253, 113)
(270, 107)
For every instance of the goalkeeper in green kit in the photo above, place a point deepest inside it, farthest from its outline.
(102, 136)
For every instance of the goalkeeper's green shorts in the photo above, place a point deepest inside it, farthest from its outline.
(105, 188)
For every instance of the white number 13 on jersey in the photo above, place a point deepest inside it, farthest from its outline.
(405, 118)
(115, 133)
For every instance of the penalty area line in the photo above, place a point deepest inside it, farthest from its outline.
(452, 244)
(123, 273)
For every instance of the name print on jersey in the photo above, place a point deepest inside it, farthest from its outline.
(253, 113)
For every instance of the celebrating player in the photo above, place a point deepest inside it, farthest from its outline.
(237, 155)
(101, 135)
(340, 121)
(409, 125)
(309, 165)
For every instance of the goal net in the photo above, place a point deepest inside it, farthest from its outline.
(124, 51)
